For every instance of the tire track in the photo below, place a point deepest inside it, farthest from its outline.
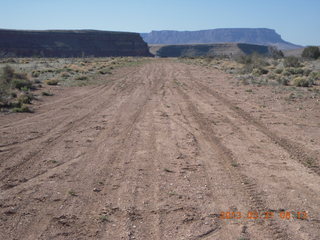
(240, 179)
(295, 150)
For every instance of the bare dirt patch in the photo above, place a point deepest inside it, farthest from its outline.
(163, 150)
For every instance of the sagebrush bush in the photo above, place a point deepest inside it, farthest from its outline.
(52, 82)
(65, 75)
(23, 108)
(47, 94)
(104, 71)
(25, 98)
(311, 52)
(302, 82)
(82, 78)
(283, 81)
(7, 75)
(21, 84)
(292, 62)
(260, 71)
(278, 71)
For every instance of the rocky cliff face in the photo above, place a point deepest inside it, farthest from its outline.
(82, 43)
(261, 36)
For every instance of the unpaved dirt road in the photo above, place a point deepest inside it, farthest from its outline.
(161, 151)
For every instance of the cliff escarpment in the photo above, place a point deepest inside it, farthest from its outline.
(260, 36)
(70, 43)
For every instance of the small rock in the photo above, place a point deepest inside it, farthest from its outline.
(10, 211)
(97, 190)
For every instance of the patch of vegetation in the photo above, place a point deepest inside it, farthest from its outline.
(35, 74)
(283, 81)
(104, 218)
(14, 90)
(72, 193)
(302, 82)
(105, 71)
(311, 52)
(46, 94)
(23, 108)
(52, 82)
(65, 75)
(22, 84)
(292, 62)
(254, 63)
(234, 164)
(25, 98)
(81, 78)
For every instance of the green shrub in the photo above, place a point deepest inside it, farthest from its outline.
(47, 94)
(105, 71)
(315, 75)
(52, 82)
(278, 70)
(25, 98)
(7, 74)
(311, 52)
(283, 81)
(292, 62)
(35, 74)
(302, 82)
(21, 84)
(23, 108)
(81, 78)
(306, 71)
(65, 75)
(260, 71)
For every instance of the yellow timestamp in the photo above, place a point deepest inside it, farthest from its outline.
(285, 215)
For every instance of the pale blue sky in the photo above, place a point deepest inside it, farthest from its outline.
(298, 21)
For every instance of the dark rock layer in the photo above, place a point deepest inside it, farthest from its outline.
(212, 50)
(75, 43)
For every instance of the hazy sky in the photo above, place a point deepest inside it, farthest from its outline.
(297, 21)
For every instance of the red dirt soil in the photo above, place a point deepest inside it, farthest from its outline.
(164, 150)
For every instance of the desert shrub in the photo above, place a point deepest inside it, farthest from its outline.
(302, 82)
(104, 71)
(278, 70)
(311, 52)
(22, 84)
(292, 62)
(52, 82)
(47, 94)
(315, 75)
(23, 108)
(283, 81)
(35, 74)
(25, 98)
(65, 75)
(7, 74)
(295, 71)
(254, 59)
(11, 79)
(20, 76)
(306, 71)
(260, 71)
(253, 62)
(82, 78)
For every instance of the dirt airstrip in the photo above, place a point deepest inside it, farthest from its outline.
(163, 150)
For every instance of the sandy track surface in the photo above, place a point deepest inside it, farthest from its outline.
(162, 151)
